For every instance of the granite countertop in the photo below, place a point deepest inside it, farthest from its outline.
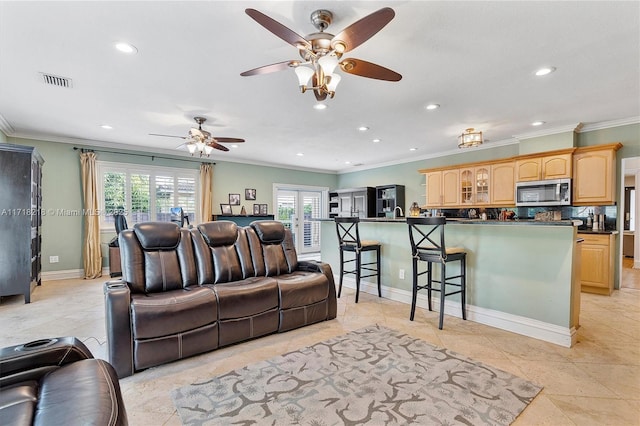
(599, 231)
(466, 221)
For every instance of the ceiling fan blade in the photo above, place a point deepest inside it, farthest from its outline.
(279, 66)
(216, 145)
(228, 140)
(278, 29)
(368, 69)
(167, 136)
(360, 31)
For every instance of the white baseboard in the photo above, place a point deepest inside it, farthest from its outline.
(529, 327)
(68, 274)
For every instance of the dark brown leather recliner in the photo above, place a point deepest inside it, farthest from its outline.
(187, 292)
(58, 382)
(158, 313)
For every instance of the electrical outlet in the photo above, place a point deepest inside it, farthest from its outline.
(54, 259)
(401, 274)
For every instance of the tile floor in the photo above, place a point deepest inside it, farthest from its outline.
(597, 382)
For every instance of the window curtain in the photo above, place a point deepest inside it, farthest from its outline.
(206, 191)
(92, 256)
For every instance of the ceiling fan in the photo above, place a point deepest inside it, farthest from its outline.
(201, 141)
(323, 51)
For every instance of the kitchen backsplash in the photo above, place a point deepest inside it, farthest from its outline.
(567, 212)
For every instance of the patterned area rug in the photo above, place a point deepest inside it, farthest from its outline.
(372, 376)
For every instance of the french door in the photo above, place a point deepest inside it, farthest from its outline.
(295, 207)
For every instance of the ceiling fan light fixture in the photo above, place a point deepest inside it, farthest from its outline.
(191, 147)
(208, 149)
(304, 75)
(470, 138)
(328, 63)
(333, 82)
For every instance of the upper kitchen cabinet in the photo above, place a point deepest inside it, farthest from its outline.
(442, 188)
(474, 185)
(594, 175)
(554, 165)
(503, 184)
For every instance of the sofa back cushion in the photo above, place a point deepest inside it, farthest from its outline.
(215, 248)
(273, 246)
(156, 257)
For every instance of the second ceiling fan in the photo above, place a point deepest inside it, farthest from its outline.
(200, 141)
(323, 51)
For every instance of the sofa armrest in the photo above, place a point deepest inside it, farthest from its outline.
(32, 360)
(323, 268)
(118, 326)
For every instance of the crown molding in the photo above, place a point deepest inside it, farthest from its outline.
(551, 131)
(5, 127)
(138, 149)
(455, 151)
(609, 124)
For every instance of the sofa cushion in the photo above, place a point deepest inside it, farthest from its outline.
(246, 298)
(219, 233)
(18, 403)
(157, 235)
(269, 231)
(86, 392)
(302, 288)
(172, 312)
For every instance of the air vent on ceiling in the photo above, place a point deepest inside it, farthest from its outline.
(56, 80)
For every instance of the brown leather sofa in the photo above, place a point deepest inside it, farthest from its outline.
(185, 292)
(58, 382)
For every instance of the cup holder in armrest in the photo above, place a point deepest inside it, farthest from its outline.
(36, 344)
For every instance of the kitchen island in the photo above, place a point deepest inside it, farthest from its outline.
(522, 276)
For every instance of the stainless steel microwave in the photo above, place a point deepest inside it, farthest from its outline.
(552, 192)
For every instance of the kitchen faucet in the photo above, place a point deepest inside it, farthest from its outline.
(401, 213)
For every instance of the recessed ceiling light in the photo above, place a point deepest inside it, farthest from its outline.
(376, 140)
(319, 106)
(106, 126)
(126, 48)
(234, 146)
(363, 128)
(432, 106)
(545, 71)
(347, 162)
(537, 123)
(300, 154)
(413, 149)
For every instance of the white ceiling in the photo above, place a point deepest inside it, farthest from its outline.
(476, 59)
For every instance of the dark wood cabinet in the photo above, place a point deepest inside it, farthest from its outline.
(388, 197)
(20, 219)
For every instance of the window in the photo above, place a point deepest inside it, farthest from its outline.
(145, 194)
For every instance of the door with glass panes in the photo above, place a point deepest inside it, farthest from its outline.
(296, 208)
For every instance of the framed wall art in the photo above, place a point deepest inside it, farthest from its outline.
(250, 194)
(234, 199)
(226, 208)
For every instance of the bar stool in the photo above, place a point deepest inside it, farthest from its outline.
(432, 249)
(349, 239)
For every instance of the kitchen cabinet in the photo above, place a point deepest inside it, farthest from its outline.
(597, 263)
(442, 188)
(503, 184)
(359, 202)
(388, 197)
(474, 185)
(537, 167)
(21, 223)
(594, 179)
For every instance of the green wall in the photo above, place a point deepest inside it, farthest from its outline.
(61, 190)
(62, 234)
